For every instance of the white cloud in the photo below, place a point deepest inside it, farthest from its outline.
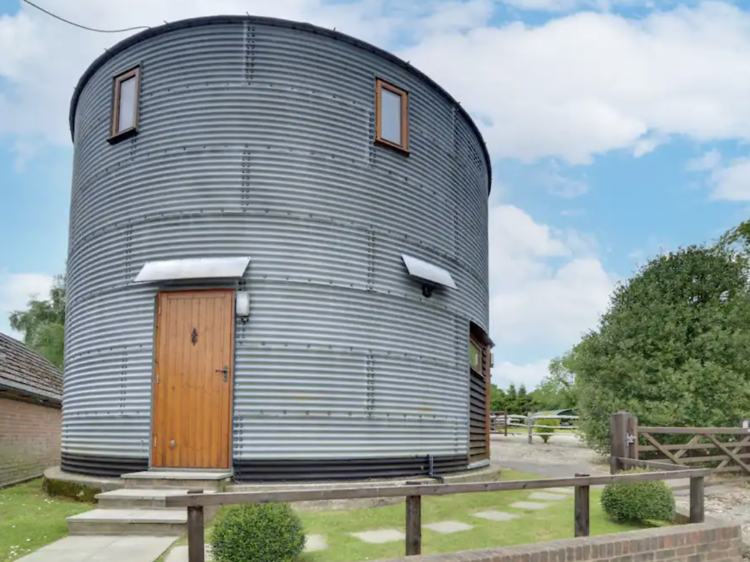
(547, 285)
(589, 83)
(706, 161)
(529, 374)
(15, 291)
(573, 87)
(732, 182)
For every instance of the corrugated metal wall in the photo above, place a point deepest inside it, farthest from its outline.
(256, 139)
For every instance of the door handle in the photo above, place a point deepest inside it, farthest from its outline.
(225, 370)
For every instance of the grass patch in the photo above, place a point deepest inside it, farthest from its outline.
(553, 523)
(29, 519)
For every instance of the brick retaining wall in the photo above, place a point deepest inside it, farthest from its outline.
(29, 439)
(707, 542)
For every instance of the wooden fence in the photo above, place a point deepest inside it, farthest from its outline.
(723, 449)
(196, 501)
(501, 421)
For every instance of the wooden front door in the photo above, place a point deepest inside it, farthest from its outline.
(193, 379)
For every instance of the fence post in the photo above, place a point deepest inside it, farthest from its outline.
(196, 548)
(506, 423)
(632, 438)
(582, 505)
(413, 525)
(618, 439)
(530, 427)
(697, 513)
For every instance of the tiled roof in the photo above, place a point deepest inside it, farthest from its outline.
(28, 372)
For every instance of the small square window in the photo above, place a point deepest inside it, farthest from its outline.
(125, 106)
(391, 116)
(475, 356)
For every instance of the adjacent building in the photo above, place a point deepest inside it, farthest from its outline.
(30, 397)
(278, 260)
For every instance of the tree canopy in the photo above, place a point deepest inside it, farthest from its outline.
(43, 323)
(673, 348)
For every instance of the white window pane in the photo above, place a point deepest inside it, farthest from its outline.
(390, 117)
(126, 116)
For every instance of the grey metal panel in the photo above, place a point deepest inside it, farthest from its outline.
(256, 140)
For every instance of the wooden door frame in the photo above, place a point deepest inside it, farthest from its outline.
(156, 341)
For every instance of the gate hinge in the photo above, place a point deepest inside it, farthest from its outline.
(631, 439)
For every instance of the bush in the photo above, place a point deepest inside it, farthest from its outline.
(639, 501)
(257, 533)
(552, 423)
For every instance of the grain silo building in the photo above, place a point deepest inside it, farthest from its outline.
(278, 260)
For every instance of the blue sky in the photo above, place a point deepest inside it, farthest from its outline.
(616, 129)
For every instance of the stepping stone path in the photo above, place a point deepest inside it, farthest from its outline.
(448, 527)
(496, 515)
(548, 496)
(316, 543)
(529, 505)
(380, 537)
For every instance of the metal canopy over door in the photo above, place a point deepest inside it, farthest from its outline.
(193, 379)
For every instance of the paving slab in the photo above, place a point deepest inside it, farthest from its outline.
(548, 496)
(529, 505)
(102, 549)
(316, 543)
(448, 527)
(379, 537)
(496, 515)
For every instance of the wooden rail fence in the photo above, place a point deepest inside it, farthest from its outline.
(723, 449)
(196, 501)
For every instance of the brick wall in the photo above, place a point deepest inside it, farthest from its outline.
(29, 439)
(708, 542)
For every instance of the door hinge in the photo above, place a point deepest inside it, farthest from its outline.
(159, 310)
(157, 378)
(156, 440)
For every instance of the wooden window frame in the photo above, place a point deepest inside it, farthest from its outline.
(404, 95)
(116, 136)
(481, 348)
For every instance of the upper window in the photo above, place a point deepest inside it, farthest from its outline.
(125, 107)
(391, 116)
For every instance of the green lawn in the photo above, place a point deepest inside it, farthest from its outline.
(29, 519)
(553, 523)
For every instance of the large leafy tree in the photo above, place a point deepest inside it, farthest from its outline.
(673, 348)
(43, 323)
(557, 391)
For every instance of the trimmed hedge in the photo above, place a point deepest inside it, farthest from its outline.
(257, 533)
(639, 501)
(551, 422)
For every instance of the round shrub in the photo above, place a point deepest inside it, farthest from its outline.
(257, 533)
(639, 502)
(546, 425)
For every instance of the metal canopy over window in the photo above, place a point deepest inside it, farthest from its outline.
(193, 268)
(428, 272)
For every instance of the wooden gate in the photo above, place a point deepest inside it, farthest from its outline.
(724, 449)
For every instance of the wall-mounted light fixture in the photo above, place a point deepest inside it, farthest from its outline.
(242, 305)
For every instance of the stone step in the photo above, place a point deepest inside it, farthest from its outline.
(140, 498)
(178, 479)
(153, 522)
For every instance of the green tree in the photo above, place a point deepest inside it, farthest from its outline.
(498, 399)
(523, 401)
(511, 399)
(673, 348)
(557, 391)
(43, 323)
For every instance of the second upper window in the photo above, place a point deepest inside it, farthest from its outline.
(391, 116)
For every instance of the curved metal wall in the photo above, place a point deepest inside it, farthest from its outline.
(255, 138)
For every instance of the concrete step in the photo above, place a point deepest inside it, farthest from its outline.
(139, 498)
(178, 479)
(153, 522)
